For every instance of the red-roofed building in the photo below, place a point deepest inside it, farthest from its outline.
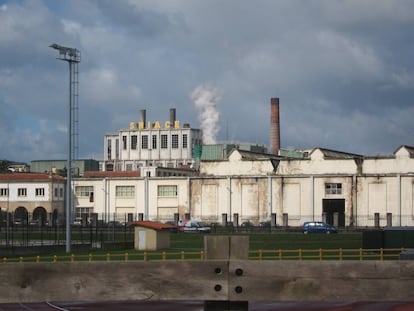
(152, 235)
(32, 196)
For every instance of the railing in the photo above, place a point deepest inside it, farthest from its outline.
(280, 254)
(327, 254)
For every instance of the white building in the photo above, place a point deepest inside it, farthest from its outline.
(152, 143)
(33, 196)
(342, 188)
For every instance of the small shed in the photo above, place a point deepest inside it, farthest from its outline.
(151, 235)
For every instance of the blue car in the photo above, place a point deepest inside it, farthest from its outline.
(318, 227)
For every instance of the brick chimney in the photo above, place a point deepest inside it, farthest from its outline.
(274, 126)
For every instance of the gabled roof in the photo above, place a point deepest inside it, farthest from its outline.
(410, 150)
(103, 174)
(334, 154)
(30, 176)
(251, 156)
(152, 225)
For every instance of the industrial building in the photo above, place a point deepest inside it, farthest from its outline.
(79, 166)
(341, 188)
(151, 143)
(234, 183)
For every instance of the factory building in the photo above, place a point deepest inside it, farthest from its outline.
(343, 189)
(151, 143)
(283, 187)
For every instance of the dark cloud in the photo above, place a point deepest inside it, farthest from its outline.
(343, 70)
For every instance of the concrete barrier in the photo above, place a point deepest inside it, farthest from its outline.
(222, 277)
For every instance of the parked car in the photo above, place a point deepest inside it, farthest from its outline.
(77, 221)
(193, 226)
(318, 227)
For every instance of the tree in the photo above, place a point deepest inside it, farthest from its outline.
(4, 166)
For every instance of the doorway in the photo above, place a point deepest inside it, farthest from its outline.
(334, 211)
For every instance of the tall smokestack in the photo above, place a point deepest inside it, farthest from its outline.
(143, 117)
(274, 126)
(172, 116)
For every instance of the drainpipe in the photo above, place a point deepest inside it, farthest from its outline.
(146, 207)
(354, 211)
(312, 196)
(270, 194)
(229, 197)
(399, 196)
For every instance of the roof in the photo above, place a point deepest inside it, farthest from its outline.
(103, 174)
(334, 154)
(152, 225)
(250, 155)
(30, 176)
(410, 150)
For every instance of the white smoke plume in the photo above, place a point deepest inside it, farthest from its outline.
(205, 98)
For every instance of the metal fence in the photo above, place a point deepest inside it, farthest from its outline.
(294, 254)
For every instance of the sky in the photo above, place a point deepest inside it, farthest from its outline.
(342, 69)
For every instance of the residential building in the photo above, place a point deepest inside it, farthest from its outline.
(33, 196)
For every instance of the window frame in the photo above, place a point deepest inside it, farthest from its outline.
(167, 190)
(125, 191)
(333, 188)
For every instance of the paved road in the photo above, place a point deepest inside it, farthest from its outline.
(198, 306)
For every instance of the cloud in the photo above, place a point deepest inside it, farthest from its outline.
(337, 66)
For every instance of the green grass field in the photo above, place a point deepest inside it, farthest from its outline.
(284, 241)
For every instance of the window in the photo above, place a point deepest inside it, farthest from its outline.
(61, 192)
(134, 141)
(185, 141)
(83, 191)
(124, 142)
(40, 192)
(81, 211)
(128, 167)
(174, 141)
(125, 191)
(109, 151)
(164, 141)
(21, 192)
(333, 188)
(4, 192)
(154, 141)
(167, 191)
(144, 142)
(116, 149)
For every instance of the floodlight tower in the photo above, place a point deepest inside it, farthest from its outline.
(72, 56)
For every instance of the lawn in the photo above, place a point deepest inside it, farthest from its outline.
(271, 241)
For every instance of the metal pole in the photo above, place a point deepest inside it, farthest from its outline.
(69, 168)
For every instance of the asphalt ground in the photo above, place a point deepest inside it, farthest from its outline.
(199, 306)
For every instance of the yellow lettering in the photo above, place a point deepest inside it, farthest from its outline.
(167, 124)
(131, 125)
(140, 125)
(176, 124)
(157, 125)
(149, 125)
